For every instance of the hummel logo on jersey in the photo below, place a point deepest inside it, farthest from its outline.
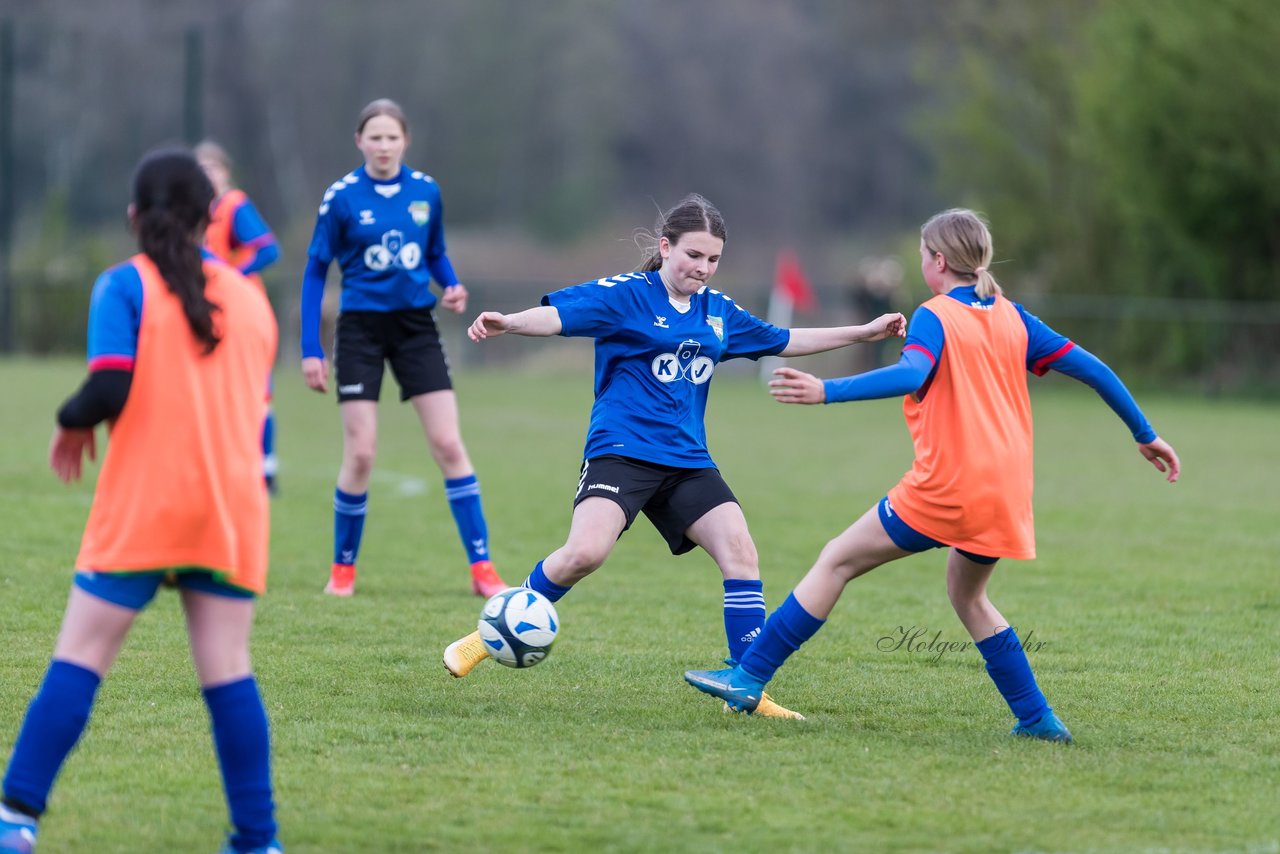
(366, 218)
(386, 190)
(354, 388)
(661, 322)
(604, 486)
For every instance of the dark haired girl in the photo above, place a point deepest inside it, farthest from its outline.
(180, 350)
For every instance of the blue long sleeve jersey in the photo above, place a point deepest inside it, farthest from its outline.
(388, 239)
(1046, 350)
(250, 230)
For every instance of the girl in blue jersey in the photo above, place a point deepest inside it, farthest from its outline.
(239, 235)
(659, 334)
(383, 224)
(963, 372)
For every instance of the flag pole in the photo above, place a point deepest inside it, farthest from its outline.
(779, 314)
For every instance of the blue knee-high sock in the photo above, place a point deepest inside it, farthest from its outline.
(348, 525)
(269, 462)
(55, 719)
(743, 613)
(1009, 669)
(468, 513)
(785, 630)
(243, 744)
(539, 583)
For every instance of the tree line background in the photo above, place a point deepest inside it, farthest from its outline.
(1124, 152)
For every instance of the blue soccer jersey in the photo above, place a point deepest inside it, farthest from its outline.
(388, 238)
(654, 364)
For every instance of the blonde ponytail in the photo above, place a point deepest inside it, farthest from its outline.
(965, 241)
(987, 286)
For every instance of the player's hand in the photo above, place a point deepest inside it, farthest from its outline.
(67, 450)
(489, 324)
(792, 386)
(455, 298)
(1163, 457)
(315, 372)
(886, 326)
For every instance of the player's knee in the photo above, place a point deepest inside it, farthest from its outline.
(845, 567)
(360, 459)
(964, 598)
(448, 451)
(581, 559)
(741, 560)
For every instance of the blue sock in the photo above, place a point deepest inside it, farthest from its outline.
(55, 719)
(539, 583)
(464, 500)
(743, 613)
(1009, 669)
(348, 525)
(785, 630)
(242, 741)
(269, 462)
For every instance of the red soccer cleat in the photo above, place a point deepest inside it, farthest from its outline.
(342, 580)
(485, 580)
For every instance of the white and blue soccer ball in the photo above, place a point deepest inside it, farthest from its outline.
(518, 626)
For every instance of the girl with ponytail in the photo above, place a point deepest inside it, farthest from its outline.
(660, 332)
(180, 350)
(962, 378)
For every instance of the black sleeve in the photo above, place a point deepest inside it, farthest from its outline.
(101, 397)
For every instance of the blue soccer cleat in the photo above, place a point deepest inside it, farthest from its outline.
(1047, 728)
(17, 832)
(272, 847)
(741, 691)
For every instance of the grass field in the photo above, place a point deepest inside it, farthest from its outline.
(1158, 608)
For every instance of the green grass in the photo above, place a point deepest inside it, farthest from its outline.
(1158, 608)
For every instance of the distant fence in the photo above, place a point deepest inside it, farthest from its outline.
(1214, 346)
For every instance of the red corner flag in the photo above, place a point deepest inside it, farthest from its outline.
(790, 282)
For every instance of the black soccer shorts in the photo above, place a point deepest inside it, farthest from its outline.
(673, 498)
(407, 338)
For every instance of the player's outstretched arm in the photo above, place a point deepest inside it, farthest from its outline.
(791, 386)
(1163, 457)
(540, 322)
(806, 341)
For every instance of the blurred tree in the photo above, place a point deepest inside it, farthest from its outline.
(1179, 121)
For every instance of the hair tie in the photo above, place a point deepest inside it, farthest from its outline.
(978, 271)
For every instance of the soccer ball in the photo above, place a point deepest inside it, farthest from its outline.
(518, 626)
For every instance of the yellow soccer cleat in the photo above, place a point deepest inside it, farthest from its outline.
(770, 709)
(461, 656)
